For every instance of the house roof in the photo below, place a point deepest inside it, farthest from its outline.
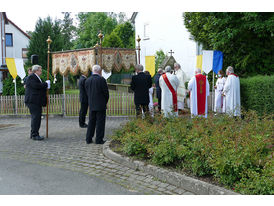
(5, 17)
(133, 17)
(18, 28)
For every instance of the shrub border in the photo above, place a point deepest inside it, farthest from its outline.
(173, 178)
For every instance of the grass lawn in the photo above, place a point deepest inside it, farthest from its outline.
(72, 91)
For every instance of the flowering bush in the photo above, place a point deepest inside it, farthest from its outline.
(237, 153)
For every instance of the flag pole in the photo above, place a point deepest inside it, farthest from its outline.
(47, 125)
(15, 94)
(213, 91)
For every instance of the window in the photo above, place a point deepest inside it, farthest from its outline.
(146, 31)
(9, 41)
(24, 53)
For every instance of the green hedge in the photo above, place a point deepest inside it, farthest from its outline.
(257, 93)
(237, 153)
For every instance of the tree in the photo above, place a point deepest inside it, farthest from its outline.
(38, 45)
(68, 31)
(89, 27)
(159, 58)
(112, 40)
(123, 34)
(246, 39)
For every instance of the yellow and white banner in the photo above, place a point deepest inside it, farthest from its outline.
(150, 64)
(16, 67)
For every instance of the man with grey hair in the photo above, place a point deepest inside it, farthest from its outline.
(98, 95)
(35, 98)
(231, 92)
(181, 91)
(158, 88)
(199, 91)
(140, 85)
(169, 84)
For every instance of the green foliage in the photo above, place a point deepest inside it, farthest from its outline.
(68, 31)
(8, 88)
(159, 58)
(245, 38)
(112, 40)
(257, 94)
(122, 36)
(38, 45)
(237, 153)
(90, 24)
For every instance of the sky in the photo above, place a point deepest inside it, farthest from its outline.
(25, 13)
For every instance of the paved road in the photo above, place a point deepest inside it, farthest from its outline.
(65, 152)
(23, 178)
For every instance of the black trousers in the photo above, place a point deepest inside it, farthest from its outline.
(140, 107)
(97, 120)
(158, 94)
(36, 112)
(83, 113)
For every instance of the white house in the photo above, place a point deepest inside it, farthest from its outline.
(167, 32)
(14, 43)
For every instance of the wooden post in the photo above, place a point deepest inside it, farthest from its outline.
(138, 48)
(100, 35)
(47, 125)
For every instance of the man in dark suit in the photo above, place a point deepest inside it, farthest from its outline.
(158, 88)
(35, 98)
(98, 95)
(140, 84)
(25, 79)
(83, 101)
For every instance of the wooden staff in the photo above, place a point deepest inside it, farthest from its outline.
(47, 125)
(138, 48)
(100, 35)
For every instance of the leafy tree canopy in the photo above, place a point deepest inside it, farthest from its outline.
(245, 38)
(89, 27)
(123, 34)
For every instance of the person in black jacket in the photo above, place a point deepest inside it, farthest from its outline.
(98, 95)
(158, 88)
(35, 98)
(140, 84)
(25, 79)
(83, 101)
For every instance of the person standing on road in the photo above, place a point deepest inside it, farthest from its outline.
(98, 95)
(83, 101)
(35, 98)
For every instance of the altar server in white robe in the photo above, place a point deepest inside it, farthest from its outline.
(199, 91)
(181, 91)
(219, 98)
(232, 93)
(169, 84)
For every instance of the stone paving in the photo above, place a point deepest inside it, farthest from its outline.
(66, 148)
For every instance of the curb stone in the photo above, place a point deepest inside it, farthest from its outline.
(173, 178)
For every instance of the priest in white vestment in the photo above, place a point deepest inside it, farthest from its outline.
(181, 91)
(199, 91)
(219, 98)
(232, 93)
(169, 84)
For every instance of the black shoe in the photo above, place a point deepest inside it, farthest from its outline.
(101, 142)
(84, 126)
(38, 138)
(89, 142)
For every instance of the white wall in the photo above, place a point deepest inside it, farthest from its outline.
(166, 32)
(19, 41)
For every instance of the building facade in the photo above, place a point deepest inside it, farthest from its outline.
(14, 43)
(165, 32)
